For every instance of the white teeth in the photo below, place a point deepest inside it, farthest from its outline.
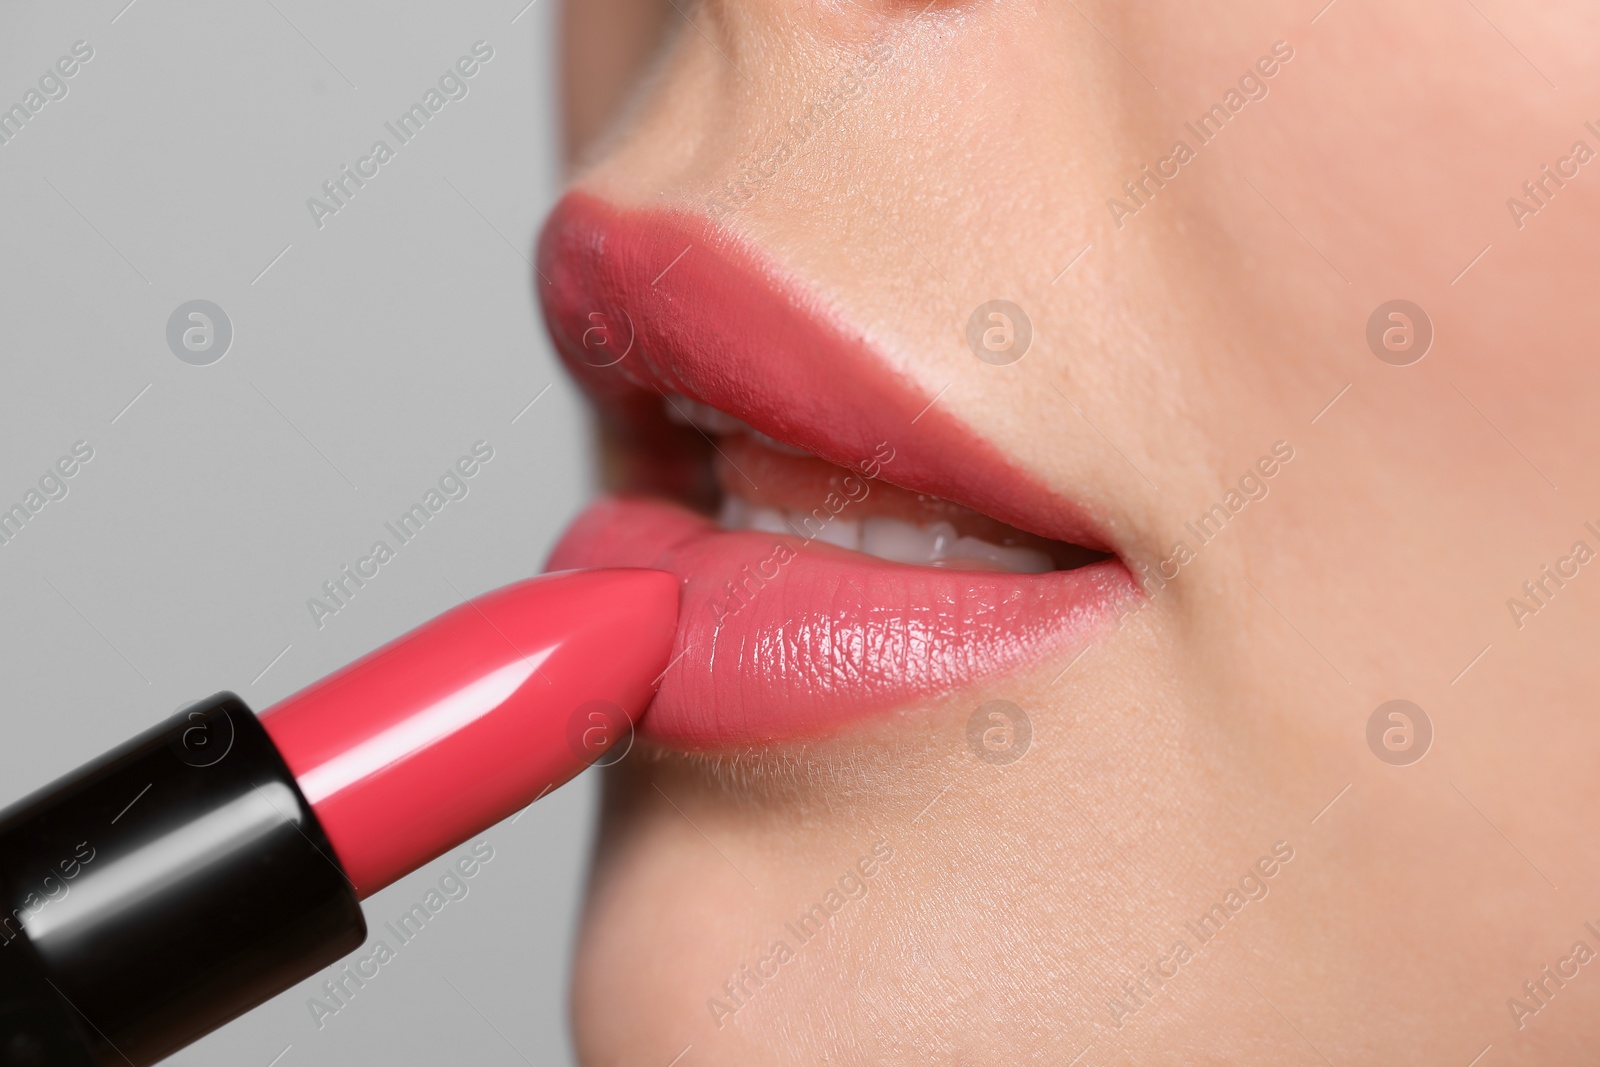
(708, 420)
(734, 513)
(776, 446)
(739, 514)
(841, 533)
(899, 541)
(1002, 557)
(769, 520)
(895, 540)
(890, 539)
(703, 417)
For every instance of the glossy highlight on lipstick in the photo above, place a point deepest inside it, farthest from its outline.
(417, 746)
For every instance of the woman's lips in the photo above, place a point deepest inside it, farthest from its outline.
(643, 303)
(784, 638)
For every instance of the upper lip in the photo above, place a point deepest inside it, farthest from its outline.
(649, 306)
(617, 304)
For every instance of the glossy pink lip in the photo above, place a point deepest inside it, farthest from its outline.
(782, 639)
(832, 636)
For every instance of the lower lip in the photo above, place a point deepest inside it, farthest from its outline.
(784, 639)
(216, 859)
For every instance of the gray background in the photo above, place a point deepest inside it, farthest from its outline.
(370, 356)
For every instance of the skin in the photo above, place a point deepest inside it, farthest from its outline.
(1221, 318)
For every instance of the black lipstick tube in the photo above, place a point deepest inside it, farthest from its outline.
(151, 896)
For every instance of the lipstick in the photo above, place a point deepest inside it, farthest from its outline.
(216, 859)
